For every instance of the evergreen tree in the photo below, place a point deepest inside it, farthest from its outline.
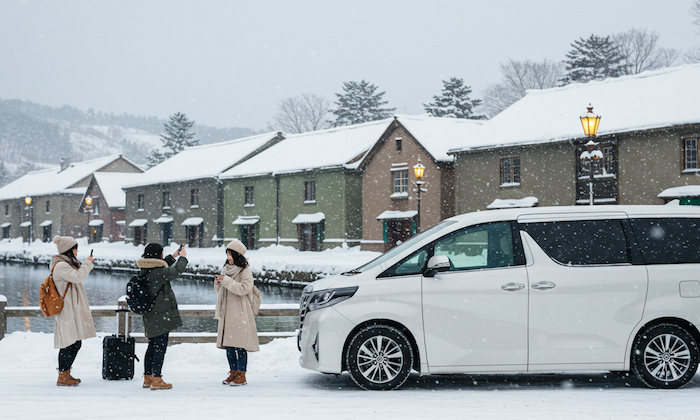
(454, 101)
(595, 58)
(177, 136)
(359, 104)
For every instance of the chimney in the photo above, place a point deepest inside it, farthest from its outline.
(65, 163)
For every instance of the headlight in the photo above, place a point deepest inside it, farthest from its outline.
(330, 297)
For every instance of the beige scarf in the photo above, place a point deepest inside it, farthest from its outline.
(221, 301)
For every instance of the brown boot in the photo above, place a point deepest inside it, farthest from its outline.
(64, 379)
(157, 383)
(147, 381)
(239, 379)
(232, 374)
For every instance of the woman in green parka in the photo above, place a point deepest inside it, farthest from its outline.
(164, 317)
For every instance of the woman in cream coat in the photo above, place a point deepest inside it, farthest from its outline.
(74, 322)
(237, 331)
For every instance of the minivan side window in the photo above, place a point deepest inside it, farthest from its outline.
(668, 240)
(581, 242)
(411, 265)
(483, 246)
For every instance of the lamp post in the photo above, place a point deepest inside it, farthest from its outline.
(590, 123)
(418, 171)
(88, 209)
(30, 213)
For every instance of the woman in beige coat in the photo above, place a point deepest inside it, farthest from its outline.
(237, 333)
(74, 322)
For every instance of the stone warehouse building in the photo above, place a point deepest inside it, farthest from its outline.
(648, 136)
(46, 203)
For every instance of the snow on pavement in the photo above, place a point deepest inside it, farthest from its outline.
(279, 388)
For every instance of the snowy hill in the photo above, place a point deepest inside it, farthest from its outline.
(34, 136)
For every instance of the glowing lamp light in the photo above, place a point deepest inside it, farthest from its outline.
(88, 201)
(419, 170)
(590, 122)
(28, 201)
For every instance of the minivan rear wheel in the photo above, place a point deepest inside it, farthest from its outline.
(379, 357)
(665, 356)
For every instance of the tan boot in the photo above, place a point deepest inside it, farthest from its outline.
(147, 381)
(239, 379)
(232, 374)
(157, 383)
(64, 379)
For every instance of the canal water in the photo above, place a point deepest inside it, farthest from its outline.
(20, 284)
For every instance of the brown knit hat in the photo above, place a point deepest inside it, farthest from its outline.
(237, 246)
(64, 243)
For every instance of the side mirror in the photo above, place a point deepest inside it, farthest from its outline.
(437, 264)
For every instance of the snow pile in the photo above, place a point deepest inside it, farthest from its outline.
(278, 258)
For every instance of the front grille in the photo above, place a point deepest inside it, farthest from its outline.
(303, 308)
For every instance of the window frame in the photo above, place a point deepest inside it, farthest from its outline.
(249, 196)
(686, 156)
(513, 174)
(309, 192)
(399, 184)
(194, 198)
(140, 201)
(166, 200)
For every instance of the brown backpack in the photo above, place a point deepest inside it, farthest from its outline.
(50, 302)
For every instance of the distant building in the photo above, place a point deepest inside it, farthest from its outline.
(106, 214)
(303, 192)
(181, 199)
(42, 204)
(389, 193)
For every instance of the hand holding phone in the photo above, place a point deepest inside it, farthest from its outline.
(91, 252)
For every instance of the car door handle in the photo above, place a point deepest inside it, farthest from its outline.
(513, 287)
(543, 285)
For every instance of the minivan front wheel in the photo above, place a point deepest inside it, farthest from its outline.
(665, 356)
(379, 357)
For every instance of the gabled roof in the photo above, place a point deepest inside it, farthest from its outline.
(206, 161)
(435, 135)
(55, 181)
(110, 184)
(332, 148)
(645, 101)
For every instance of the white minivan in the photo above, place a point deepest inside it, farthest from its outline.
(520, 290)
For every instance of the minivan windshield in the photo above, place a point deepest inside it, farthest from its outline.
(401, 248)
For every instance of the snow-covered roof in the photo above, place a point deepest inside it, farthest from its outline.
(199, 162)
(678, 192)
(54, 181)
(439, 135)
(395, 214)
(332, 148)
(309, 218)
(644, 101)
(111, 183)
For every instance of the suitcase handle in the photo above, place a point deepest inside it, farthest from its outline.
(126, 323)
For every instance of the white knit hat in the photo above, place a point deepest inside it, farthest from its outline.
(237, 246)
(64, 243)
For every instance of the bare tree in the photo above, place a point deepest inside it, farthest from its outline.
(300, 114)
(640, 52)
(517, 78)
(693, 55)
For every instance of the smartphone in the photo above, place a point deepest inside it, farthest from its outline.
(180, 249)
(91, 252)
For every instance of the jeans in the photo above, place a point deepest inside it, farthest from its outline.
(153, 362)
(66, 356)
(237, 358)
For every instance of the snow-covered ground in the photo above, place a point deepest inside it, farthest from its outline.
(278, 388)
(273, 258)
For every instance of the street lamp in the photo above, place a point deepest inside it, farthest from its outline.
(30, 213)
(590, 156)
(88, 209)
(418, 171)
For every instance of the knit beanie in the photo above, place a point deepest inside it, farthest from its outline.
(64, 243)
(153, 251)
(237, 246)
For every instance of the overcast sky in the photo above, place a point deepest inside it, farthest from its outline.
(228, 63)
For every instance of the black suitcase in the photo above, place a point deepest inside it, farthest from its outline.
(118, 354)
